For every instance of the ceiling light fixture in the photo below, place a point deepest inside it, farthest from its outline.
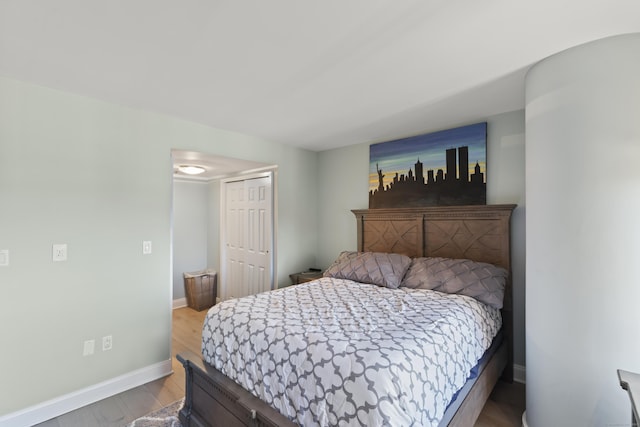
(191, 169)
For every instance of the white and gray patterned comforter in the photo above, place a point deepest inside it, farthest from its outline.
(336, 352)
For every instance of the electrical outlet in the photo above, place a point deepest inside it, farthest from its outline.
(146, 247)
(59, 252)
(89, 347)
(107, 343)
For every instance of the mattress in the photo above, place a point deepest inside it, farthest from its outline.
(337, 352)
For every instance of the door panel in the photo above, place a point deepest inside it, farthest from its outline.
(249, 237)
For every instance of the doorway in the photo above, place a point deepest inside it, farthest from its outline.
(197, 218)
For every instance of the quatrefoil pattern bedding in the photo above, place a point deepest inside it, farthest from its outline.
(334, 352)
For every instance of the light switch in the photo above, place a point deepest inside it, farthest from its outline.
(88, 348)
(4, 257)
(146, 247)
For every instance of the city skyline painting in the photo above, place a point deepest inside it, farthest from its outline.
(442, 168)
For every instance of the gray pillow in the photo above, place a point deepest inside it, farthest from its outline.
(342, 257)
(480, 280)
(377, 268)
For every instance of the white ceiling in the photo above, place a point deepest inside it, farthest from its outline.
(314, 74)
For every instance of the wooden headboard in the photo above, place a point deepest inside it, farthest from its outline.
(479, 232)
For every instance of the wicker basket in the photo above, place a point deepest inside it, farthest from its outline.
(201, 289)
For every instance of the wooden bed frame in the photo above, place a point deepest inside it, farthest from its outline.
(480, 233)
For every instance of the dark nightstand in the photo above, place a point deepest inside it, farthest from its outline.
(305, 276)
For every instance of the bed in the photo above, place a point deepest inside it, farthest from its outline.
(477, 233)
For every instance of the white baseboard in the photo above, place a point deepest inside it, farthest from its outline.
(519, 373)
(72, 401)
(179, 303)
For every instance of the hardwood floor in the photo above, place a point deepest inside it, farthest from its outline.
(503, 409)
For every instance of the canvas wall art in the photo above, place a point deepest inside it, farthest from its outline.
(444, 168)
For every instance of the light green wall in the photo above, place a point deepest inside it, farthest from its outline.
(97, 177)
(506, 184)
(343, 179)
(213, 227)
(190, 230)
(343, 185)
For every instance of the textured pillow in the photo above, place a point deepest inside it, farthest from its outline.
(342, 257)
(482, 281)
(377, 268)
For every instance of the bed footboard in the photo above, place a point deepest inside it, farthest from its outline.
(212, 399)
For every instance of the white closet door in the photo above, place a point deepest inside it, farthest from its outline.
(248, 225)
